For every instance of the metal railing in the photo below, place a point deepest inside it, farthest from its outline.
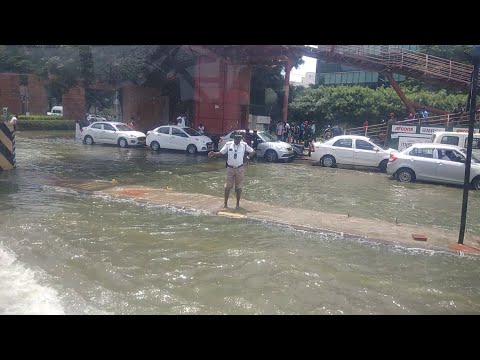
(395, 59)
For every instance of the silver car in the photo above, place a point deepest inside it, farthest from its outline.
(268, 147)
(433, 162)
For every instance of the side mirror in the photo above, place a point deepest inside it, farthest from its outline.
(377, 149)
(463, 160)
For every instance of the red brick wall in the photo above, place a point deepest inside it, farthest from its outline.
(38, 99)
(73, 102)
(144, 105)
(10, 94)
(221, 90)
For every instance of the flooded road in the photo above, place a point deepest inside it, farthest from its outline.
(68, 251)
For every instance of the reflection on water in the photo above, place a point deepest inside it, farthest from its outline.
(67, 251)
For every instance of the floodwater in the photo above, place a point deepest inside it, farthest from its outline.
(68, 251)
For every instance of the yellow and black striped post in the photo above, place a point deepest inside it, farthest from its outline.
(7, 147)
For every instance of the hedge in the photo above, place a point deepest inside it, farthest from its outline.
(40, 117)
(45, 125)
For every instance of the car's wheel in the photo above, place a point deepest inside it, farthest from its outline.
(191, 149)
(476, 183)
(155, 146)
(383, 165)
(328, 161)
(122, 142)
(405, 175)
(88, 140)
(271, 156)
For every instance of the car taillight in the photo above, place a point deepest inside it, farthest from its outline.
(392, 158)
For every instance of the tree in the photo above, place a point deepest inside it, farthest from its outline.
(350, 106)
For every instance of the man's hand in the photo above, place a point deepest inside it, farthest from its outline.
(211, 154)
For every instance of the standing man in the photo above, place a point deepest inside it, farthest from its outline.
(235, 160)
(181, 120)
(13, 121)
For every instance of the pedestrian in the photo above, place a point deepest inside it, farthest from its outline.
(181, 120)
(13, 121)
(236, 155)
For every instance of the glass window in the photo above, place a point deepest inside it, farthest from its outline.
(451, 140)
(178, 132)
(122, 127)
(108, 127)
(363, 145)
(97, 126)
(346, 143)
(191, 132)
(422, 152)
(164, 130)
(475, 144)
(356, 77)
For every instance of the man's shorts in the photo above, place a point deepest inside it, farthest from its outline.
(235, 176)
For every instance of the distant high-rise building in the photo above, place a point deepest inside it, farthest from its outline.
(338, 74)
(308, 79)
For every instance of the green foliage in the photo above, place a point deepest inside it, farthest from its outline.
(460, 53)
(46, 125)
(40, 117)
(352, 105)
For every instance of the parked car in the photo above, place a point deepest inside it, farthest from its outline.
(433, 162)
(112, 133)
(269, 148)
(178, 138)
(455, 138)
(350, 150)
(56, 110)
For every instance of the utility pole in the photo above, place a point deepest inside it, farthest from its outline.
(472, 106)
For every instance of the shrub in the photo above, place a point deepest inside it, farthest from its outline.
(46, 125)
(40, 117)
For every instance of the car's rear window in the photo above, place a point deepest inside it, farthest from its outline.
(451, 140)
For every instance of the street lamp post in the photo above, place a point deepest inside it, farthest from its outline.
(473, 105)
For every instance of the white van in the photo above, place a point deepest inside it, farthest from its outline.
(56, 110)
(456, 138)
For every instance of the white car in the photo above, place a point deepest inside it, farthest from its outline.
(178, 138)
(56, 110)
(433, 162)
(112, 133)
(350, 150)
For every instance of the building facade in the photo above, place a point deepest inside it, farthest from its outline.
(339, 74)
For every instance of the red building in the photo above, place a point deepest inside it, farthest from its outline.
(209, 83)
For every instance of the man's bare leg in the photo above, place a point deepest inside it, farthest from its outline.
(239, 193)
(227, 194)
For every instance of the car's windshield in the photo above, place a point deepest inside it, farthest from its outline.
(124, 128)
(266, 137)
(191, 132)
(474, 158)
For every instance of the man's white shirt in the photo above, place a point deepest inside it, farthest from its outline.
(182, 121)
(231, 148)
